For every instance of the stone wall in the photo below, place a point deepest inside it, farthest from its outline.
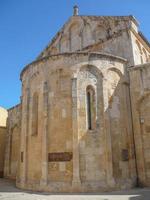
(141, 51)
(59, 152)
(73, 131)
(115, 35)
(3, 117)
(81, 32)
(3, 131)
(140, 98)
(13, 142)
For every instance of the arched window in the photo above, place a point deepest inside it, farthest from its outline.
(35, 114)
(91, 108)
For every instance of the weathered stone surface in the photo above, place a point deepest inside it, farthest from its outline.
(76, 100)
(97, 152)
(3, 131)
(140, 98)
(3, 117)
(12, 151)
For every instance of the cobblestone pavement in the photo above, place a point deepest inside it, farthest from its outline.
(8, 191)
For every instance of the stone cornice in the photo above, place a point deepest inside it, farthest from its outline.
(14, 107)
(137, 67)
(84, 53)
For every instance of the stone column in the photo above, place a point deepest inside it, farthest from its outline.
(7, 154)
(10, 152)
(137, 128)
(76, 182)
(128, 137)
(138, 136)
(44, 177)
(24, 135)
(107, 125)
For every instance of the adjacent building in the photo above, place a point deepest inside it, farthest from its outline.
(3, 133)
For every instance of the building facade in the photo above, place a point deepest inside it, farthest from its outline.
(3, 133)
(83, 121)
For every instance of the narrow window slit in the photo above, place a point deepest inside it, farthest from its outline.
(91, 108)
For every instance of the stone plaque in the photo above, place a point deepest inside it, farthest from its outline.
(60, 157)
(147, 128)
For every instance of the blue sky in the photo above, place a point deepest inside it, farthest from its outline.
(26, 26)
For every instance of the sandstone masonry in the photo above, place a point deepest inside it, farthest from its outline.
(83, 121)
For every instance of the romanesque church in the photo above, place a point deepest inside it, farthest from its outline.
(83, 121)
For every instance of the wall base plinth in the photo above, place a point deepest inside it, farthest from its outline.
(75, 187)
